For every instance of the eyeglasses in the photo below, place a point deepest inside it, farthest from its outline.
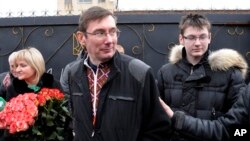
(193, 38)
(102, 34)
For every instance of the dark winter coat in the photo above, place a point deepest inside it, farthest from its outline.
(206, 90)
(128, 109)
(64, 77)
(238, 117)
(20, 86)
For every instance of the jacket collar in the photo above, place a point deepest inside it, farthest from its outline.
(47, 80)
(114, 62)
(203, 59)
(222, 59)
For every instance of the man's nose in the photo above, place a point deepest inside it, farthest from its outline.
(197, 40)
(108, 38)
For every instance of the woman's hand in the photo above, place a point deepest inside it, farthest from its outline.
(167, 109)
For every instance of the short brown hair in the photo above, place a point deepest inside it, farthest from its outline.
(194, 20)
(92, 14)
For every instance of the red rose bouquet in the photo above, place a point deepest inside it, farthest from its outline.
(36, 117)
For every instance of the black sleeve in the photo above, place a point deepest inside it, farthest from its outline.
(156, 123)
(220, 129)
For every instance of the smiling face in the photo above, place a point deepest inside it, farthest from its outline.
(30, 65)
(25, 71)
(100, 39)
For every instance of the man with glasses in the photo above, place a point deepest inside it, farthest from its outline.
(196, 81)
(113, 97)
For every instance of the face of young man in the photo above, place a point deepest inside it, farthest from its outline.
(100, 39)
(195, 41)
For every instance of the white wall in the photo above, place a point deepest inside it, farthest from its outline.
(14, 7)
(40, 6)
(125, 5)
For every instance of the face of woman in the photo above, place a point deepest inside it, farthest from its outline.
(25, 71)
(13, 68)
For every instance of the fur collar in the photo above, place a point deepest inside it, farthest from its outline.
(21, 86)
(222, 59)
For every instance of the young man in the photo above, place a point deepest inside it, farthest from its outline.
(199, 82)
(113, 97)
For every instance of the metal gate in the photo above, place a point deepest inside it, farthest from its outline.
(146, 36)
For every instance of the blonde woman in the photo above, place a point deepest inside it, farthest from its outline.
(31, 75)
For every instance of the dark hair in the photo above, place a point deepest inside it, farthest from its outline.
(194, 20)
(91, 14)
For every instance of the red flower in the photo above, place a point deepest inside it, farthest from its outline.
(48, 94)
(21, 112)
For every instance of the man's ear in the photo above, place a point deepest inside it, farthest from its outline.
(181, 39)
(80, 37)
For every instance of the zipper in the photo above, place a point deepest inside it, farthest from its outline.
(93, 133)
(192, 70)
(213, 113)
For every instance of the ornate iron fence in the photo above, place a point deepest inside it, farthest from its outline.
(145, 35)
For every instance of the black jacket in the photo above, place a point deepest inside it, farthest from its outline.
(128, 109)
(206, 90)
(20, 86)
(64, 77)
(238, 117)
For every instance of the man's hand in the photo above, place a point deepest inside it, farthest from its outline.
(167, 109)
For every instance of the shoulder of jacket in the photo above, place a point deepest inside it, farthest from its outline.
(225, 59)
(74, 63)
(47, 79)
(72, 67)
(138, 69)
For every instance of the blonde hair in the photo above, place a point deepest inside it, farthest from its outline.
(33, 58)
(11, 60)
(12, 57)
